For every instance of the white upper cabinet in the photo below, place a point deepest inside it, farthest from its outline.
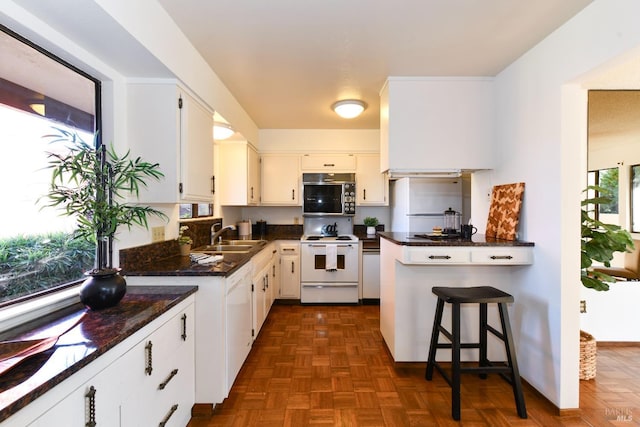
(280, 179)
(328, 163)
(168, 126)
(430, 124)
(239, 177)
(372, 186)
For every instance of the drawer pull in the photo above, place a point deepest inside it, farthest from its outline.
(501, 257)
(91, 401)
(439, 257)
(148, 348)
(164, 422)
(184, 327)
(329, 165)
(293, 194)
(164, 383)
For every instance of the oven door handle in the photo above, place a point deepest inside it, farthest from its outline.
(313, 245)
(315, 285)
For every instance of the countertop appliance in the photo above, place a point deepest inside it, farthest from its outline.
(419, 204)
(328, 194)
(329, 261)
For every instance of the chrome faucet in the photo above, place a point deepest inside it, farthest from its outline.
(218, 234)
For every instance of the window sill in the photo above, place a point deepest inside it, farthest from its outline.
(18, 314)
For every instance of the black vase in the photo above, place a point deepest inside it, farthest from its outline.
(102, 289)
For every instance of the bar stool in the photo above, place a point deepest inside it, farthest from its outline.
(482, 295)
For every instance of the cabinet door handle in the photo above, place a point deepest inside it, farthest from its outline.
(184, 327)
(149, 353)
(292, 269)
(213, 184)
(251, 193)
(273, 272)
(266, 279)
(501, 257)
(293, 194)
(264, 286)
(364, 194)
(91, 410)
(439, 257)
(164, 383)
(164, 422)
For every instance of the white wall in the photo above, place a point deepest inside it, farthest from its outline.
(541, 137)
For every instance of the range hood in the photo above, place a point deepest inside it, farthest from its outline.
(427, 173)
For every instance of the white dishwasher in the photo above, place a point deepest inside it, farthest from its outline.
(238, 322)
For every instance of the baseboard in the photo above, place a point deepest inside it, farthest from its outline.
(202, 410)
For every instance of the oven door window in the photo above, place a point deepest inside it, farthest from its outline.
(320, 262)
(321, 199)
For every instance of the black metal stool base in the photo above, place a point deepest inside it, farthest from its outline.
(482, 295)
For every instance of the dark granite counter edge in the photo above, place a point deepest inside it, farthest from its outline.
(478, 240)
(175, 295)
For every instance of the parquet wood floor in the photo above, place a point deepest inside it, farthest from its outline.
(328, 366)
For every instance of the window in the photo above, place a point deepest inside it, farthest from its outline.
(38, 91)
(635, 199)
(608, 180)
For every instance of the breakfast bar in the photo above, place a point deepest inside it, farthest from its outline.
(411, 265)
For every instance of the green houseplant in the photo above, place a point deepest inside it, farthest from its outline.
(90, 184)
(599, 242)
(371, 223)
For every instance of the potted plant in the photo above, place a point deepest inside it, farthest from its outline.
(89, 183)
(599, 242)
(371, 223)
(184, 241)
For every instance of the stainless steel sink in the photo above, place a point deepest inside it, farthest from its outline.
(224, 249)
(243, 242)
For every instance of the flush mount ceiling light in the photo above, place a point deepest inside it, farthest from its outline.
(222, 130)
(349, 108)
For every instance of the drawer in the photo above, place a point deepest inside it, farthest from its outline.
(435, 255)
(502, 256)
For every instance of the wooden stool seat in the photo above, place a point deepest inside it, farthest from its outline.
(481, 295)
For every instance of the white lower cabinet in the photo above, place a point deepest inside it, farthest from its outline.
(371, 275)
(150, 383)
(289, 270)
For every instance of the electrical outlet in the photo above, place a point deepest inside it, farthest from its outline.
(583, 306)
(157, 234)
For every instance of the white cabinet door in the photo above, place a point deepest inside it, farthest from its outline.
(281, 179)
(328, 163)
(290, 270)
(160, 375)
(168, 126)
(239, 177)
(259, 297)
(371, 185)
(371, 275)
(196, 150)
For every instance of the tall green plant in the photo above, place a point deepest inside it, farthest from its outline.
(599, 242)
(91, 183)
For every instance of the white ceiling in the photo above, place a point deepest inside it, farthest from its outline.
(287, 61)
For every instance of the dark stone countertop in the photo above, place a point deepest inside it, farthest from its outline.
(411, 239)
(88, 335)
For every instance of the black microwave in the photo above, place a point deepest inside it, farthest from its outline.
(328, 194)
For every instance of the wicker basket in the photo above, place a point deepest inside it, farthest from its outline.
(587, 356)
